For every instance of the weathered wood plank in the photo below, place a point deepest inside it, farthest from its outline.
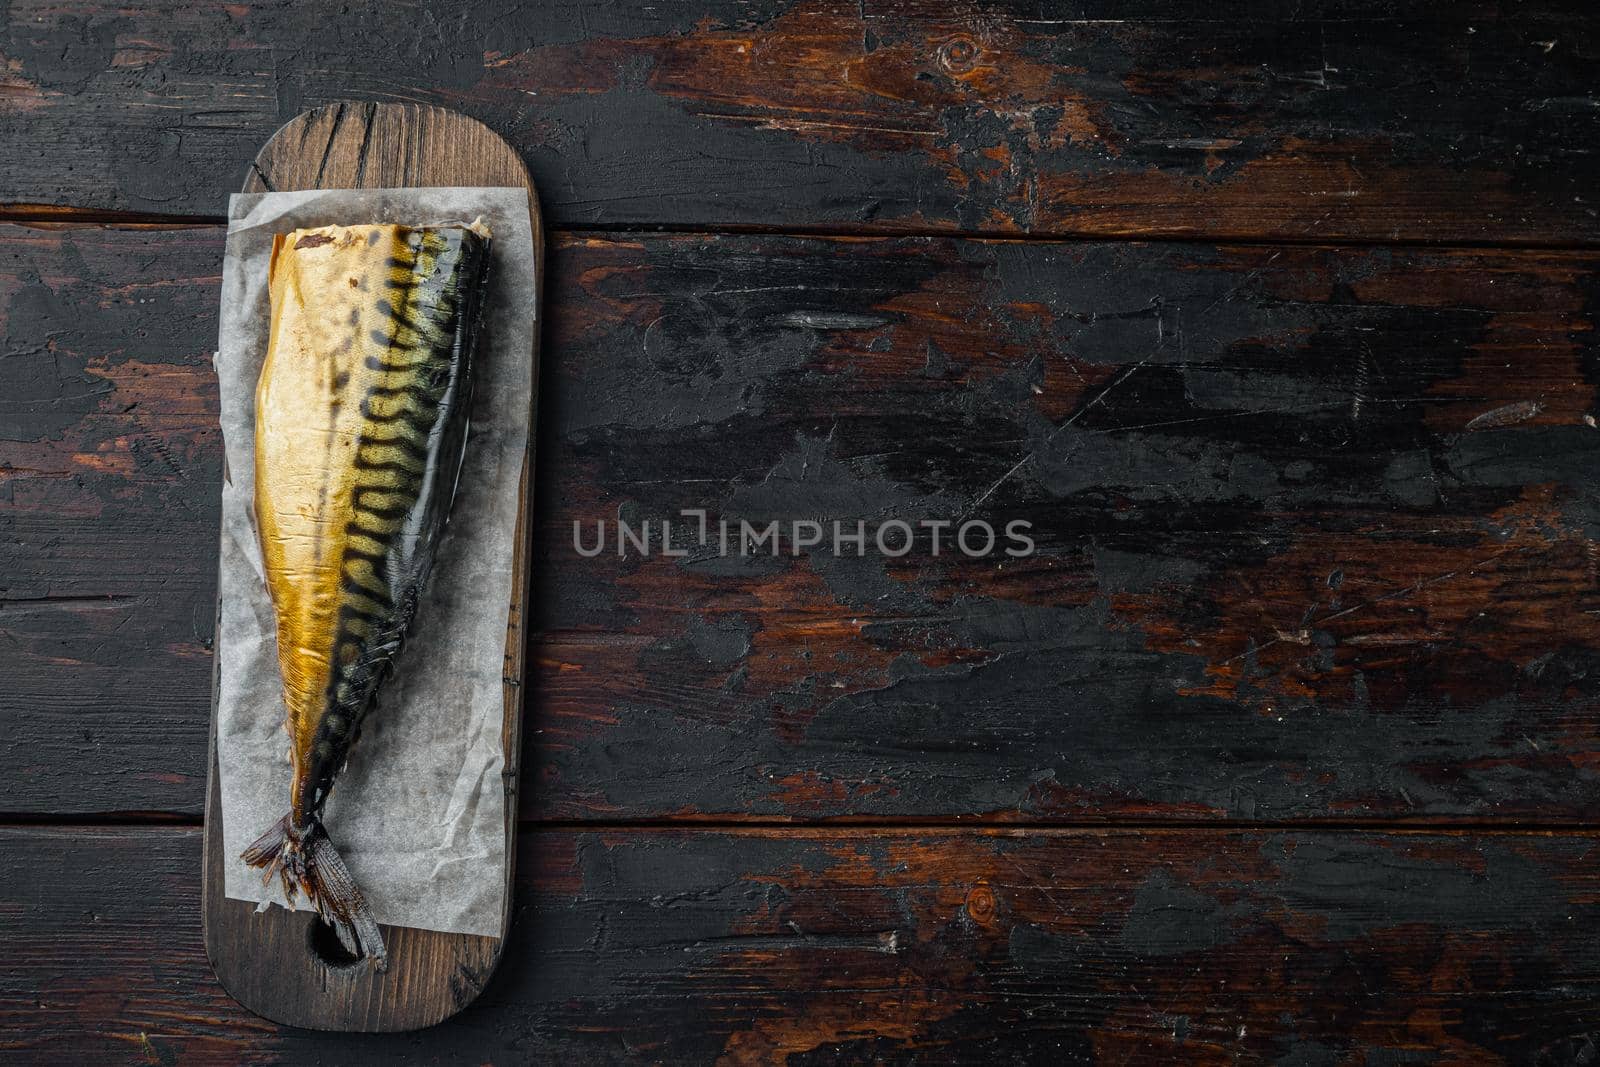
(110, 462)
(682, 947)
(1315, 529)
(1377, 120)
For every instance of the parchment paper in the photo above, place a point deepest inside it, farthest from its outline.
(419, 812)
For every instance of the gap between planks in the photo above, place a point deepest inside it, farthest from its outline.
(44, 216)
(949, 826)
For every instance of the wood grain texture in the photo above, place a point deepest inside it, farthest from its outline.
(1197, 946)
(1316, 529)
(265, 959)
(1373, 120)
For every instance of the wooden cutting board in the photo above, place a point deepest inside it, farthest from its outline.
(268, 960)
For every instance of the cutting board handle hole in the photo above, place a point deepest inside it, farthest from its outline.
(326, 947)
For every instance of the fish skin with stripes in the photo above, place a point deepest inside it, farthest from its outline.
(361, 430)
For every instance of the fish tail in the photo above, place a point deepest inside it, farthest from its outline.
(306, 862)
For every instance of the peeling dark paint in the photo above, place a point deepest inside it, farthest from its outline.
(1441, 123)
(1176, 645)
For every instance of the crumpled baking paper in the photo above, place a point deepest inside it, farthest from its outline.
(419, 812)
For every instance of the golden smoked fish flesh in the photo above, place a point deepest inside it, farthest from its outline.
(361, 427)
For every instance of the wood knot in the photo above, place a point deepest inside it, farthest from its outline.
(958, 54)
(980, 903)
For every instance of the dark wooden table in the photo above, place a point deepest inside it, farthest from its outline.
(1279, 329)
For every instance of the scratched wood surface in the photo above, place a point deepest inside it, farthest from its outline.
(1315, 529)
(672, 946)
(1291, 720)
(1375, 119)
